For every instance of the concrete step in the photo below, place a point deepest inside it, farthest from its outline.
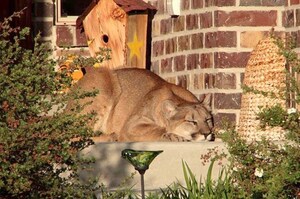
(166, 168)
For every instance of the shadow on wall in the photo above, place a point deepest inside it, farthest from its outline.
(109, 167)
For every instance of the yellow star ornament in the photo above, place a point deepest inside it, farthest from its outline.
(135, 46)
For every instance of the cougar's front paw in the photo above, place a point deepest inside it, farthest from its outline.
(174, 138)
(210, 137)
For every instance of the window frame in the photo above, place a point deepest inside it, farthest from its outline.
(59, 20)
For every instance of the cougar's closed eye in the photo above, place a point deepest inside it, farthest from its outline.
(194, 122)
(208, 119)
(190, 118)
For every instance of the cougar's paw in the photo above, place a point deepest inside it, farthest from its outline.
(173, 138)
(210, 137)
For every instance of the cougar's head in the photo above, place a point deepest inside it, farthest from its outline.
(192, 121)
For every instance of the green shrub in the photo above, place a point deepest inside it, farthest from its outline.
(266, 168)
(123, 192)
(210, 189)
(38, 155)
(263, 169)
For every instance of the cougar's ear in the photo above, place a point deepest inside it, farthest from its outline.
(206, 101)
(168, 108)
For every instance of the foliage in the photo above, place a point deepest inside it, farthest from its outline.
(123, 191)
(74, 61)
(286, 48)
(272, 117)
(210, 189)
(38, 152)
(263, 169)
(266, 168)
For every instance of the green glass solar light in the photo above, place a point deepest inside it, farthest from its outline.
(141, 161)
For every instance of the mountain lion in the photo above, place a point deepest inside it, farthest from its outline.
(137, 105)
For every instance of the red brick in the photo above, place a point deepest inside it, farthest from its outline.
(155, 28)
(192, 61)
(220, 39)
(262, 3)
(209, 3)
(199, 81)
(227, 101)
(225, 81)
(206, 20)
(160, 7)
(179, 24)
(183, 43)
(196, 41)
(221, 3)
(155, 67)
(288, 18)
(250, 3)
(64, 36)
(192, 21)
(80, 38)
(158, 48)
(273, 3)
(166, 65)
(298, 17)
(231, 60)
(206, 60)
(197, 4)
(245, 18)
(170, 45)
(296, 37)
(221, 119)
(182, 81)
(286, 2)
(209, 80)
(166, 26)
(294, 2)
(185, 4)
(179, 63)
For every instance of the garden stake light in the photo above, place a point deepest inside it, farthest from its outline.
(141, 161)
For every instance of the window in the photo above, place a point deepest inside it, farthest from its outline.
(67, 11)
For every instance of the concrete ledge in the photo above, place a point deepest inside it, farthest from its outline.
(165, 169)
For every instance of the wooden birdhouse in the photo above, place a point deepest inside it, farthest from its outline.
(123, 26)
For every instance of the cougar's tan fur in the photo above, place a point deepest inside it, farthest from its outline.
(137, 105)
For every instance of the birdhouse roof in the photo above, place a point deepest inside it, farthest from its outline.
(126, 5)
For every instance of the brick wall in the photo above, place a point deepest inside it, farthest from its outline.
(62, 36)
(206, 48)
(43, 19)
